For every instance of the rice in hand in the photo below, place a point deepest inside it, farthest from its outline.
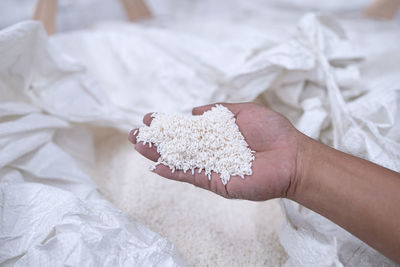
(211, 142)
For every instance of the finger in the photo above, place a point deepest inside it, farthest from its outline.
(198, 179)
(132, 135)
(148, 150)
(177, 175)
(147, 119)
(234, 108)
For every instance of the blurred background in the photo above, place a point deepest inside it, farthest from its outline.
(72, 15)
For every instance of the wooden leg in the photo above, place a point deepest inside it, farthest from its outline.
(136, 9)
(383, 9)
(45, 12)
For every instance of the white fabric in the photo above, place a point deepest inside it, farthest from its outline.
(345, 110)
(321, 89)
(316, 77)
(51, 212)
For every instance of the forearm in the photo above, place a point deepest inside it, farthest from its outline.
(361, 197)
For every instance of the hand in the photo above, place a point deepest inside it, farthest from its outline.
(275, 168)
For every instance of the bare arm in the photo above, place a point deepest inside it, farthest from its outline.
(360, 196)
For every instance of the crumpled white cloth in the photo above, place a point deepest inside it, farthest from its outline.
(315, 78)
(343, 93)
(51, 213)
(319, 86)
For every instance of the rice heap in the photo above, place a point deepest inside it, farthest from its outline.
(211, 142)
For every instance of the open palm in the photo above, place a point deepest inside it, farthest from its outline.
(272, 136)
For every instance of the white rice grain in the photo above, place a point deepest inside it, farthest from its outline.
(211, 142)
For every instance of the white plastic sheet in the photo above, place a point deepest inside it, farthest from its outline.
(321, 90)
(343, 95)
(314, 78)
(51, 213)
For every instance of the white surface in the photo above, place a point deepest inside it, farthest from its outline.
(51, 212)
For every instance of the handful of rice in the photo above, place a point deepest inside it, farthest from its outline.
(211, 142)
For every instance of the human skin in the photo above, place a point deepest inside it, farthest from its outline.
(358, 195)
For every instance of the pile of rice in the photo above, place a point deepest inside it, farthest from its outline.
(211, 142)
(207, 229)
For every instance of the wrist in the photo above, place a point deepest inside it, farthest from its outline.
(305, 159)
